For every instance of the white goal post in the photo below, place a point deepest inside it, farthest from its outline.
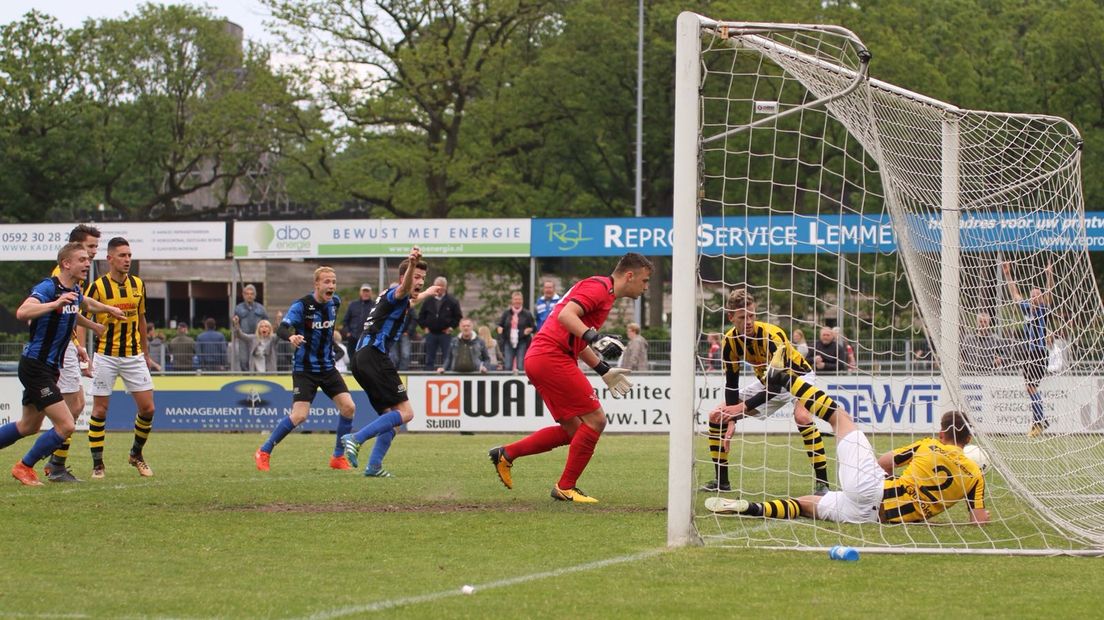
(945, 246)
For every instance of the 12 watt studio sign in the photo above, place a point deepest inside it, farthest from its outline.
(480, 398)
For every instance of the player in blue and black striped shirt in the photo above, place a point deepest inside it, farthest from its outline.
(53, 308)
(372, 367)
(1033, 352)
(312, 318)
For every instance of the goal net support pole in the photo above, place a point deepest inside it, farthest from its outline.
(684, 294)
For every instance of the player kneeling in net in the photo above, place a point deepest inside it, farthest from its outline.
(937, 476)
(758, 343)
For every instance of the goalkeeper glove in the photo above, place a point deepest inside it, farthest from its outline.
(777, 366)
(607, 347)
(616, 379)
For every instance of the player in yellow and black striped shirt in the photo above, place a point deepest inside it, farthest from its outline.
(123, 353)
(937, 476)
(769, 352)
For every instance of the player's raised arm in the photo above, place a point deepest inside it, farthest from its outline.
(1047, 295)
(1013, 290)
(406, 284)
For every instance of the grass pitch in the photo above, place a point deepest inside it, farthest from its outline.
(210, 536)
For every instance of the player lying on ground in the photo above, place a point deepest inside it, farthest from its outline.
(757, 343)
(936, 477)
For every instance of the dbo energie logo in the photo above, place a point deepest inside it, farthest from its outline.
(285, 237)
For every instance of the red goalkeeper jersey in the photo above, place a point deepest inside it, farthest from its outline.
(595, 296)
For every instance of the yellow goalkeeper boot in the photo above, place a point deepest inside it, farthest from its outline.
(502, 466)
(572, 495)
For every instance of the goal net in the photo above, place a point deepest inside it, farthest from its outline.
(933, 258)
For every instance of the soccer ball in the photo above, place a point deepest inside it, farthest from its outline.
(977, 455)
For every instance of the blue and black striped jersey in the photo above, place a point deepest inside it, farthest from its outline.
(385, 323)
(314, 320)
(51, 332)
(1035, 324)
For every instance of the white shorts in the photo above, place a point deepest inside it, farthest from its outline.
(69, 375)
(861, 480)
(132, 370)
(785, 398)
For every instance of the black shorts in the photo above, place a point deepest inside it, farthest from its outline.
(304, 385)
(39, 381)
(377, 376)
(1033, 362)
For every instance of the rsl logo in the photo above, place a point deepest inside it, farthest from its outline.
(450, 400)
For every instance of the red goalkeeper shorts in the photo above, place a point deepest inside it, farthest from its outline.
(561, 384)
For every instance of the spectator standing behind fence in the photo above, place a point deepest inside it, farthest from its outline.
(260, 344)
(357, 313)
(545, 303)
(467, 352)
(250, 313)
(828, 354)
(182, 348)
(491, 345)
(797, 339)
(439, 316)
(635, 356)
(210, 347)
(713, 357)
(400, 352)
(983, 351)
(848, 349)
(158, 354)
(515, 327)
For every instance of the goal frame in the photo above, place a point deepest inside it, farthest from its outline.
(685, 297)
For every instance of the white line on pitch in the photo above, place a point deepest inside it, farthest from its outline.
(502, 583)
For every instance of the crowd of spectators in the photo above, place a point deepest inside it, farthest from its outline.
(449, 341)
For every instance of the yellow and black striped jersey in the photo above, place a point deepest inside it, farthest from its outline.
(121, 337)
(937, 476)
(757, 350)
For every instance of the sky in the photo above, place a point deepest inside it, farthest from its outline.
(249, 14)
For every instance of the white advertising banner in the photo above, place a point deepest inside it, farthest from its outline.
(148, 241)
(387, 238)
(879, 405)
(508, 404)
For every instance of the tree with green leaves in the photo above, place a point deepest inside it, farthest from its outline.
(184, 114)
(43, 118)
(413, 86)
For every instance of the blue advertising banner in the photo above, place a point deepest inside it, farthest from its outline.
(231, 403)
(805, 234)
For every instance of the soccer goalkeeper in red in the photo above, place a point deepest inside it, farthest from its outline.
(570, 334)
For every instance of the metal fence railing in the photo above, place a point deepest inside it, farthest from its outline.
(883, 357)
